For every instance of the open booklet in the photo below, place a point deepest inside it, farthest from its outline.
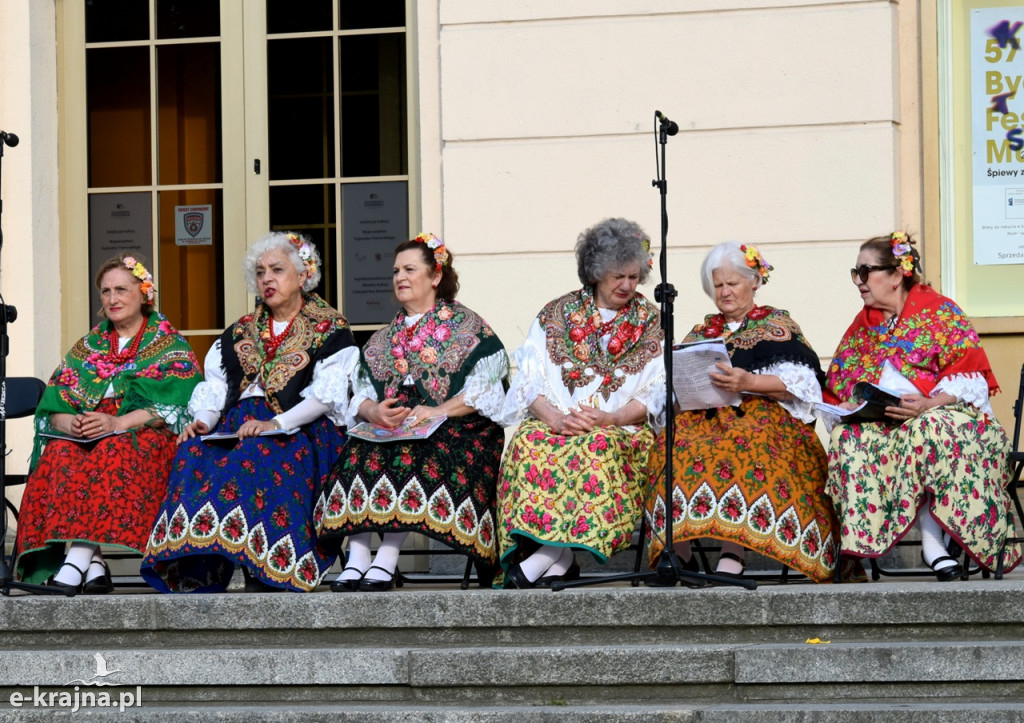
(873, 401)
(81, 440)
(404, 432)
(221, 436)
(692, 364)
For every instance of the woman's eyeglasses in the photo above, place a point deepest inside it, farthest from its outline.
(864, 270)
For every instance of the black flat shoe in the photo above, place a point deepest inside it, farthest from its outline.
(352, 585)
(691, 565)
(254, 584)
(946, 574)
(730, 575)
(101, 584)
(379, 585)
(573, 573)
(69, 589)
(517, 577)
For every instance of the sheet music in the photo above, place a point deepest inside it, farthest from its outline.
(692, 365)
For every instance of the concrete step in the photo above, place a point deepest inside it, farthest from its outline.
(446, 654)
(638, 712)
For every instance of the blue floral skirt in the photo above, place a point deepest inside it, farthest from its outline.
(248, 503)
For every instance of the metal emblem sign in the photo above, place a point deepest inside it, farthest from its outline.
(192, 225)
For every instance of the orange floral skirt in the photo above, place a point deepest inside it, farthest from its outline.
(753, 475)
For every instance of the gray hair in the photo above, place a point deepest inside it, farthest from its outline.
(609, 246)
(726, 255)
(279, 241)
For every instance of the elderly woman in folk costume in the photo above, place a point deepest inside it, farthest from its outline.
(133, 374)
(278, 379)
(750, 476)
(436, 358)
(943, 461)
(591, 373)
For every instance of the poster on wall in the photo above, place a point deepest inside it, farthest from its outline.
(118, 222)
(997, 135)
(193, 225)
(375, 219)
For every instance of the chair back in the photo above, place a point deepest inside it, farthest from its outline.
(1018, 412)
(21, 397)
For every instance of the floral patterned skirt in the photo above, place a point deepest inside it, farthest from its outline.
(582, 492)
(950, 462)
(441, 487)
(107, 492)
(248, 503)
(752, 475)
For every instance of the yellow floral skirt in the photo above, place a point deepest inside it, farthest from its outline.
(582, 491)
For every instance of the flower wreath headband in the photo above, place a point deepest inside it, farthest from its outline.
(646, 243)
(757, 262)
(140, 272)
(437, 246)
(305, 252)
(906, 255)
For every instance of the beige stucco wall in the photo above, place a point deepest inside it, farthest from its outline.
(786, 141)
(29, 261)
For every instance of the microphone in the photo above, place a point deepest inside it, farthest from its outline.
(9, 138)
(671, 127)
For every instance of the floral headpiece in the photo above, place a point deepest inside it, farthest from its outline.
(906, 256)
(141, 273)
(646, 243)
(305, 252)
(437, 246)
(757, 262)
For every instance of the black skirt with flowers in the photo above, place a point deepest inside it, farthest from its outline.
(442, 487)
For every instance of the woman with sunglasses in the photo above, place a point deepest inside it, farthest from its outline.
(941, 461)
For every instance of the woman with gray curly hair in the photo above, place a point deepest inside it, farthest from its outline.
(277, 383)
(591, 373)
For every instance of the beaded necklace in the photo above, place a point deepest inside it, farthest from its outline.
(272, 341)
(123, 357)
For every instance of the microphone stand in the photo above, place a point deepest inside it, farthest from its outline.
(8, 314)
(669, 569)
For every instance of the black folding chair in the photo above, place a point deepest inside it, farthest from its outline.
(21, 399)
(1016, 478)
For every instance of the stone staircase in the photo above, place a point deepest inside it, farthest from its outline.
(893, 650)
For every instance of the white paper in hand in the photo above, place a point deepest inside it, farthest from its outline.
(692, 365)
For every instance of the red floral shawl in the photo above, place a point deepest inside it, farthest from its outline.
(932, 339)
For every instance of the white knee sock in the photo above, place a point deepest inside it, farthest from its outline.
(79, 555)
(96, 568)
(539, 562)
(728, 565)
(562, 564)
(387, 555)
(358, 556)
(932, 546)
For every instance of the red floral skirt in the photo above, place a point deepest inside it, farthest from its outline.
(107, 492)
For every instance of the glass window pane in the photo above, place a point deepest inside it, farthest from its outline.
(187, 18)
(378, 14)
(300, 89)
(190, 287)
(111, 20)
(288, 16)
(310, 210)
(117, 88)
(373, 105)
(189, 113)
